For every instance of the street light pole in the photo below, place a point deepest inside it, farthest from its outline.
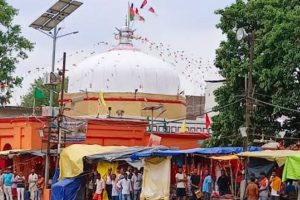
(249, 89)
(54, 37)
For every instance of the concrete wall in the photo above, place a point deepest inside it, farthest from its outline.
(210, 101)
(132, 105)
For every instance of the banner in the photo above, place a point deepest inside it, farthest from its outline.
(154, 140)
(71, 130)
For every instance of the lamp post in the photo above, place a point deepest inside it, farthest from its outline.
(240, 35)
(48, 21)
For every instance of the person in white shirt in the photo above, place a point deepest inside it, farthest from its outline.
(180, 184)
(115, 189)
(137, 184)
(20, 184)
(32, 181)
(99, 188)
(125, 184)
(108, 183)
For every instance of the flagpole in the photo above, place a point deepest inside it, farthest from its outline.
(33, 107)
(128, 15)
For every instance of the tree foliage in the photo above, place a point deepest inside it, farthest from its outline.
(28, 99)
(276, 72)
(13, 48)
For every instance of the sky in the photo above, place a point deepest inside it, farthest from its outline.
(183, 25)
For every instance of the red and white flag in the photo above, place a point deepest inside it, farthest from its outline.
(143, 4)
(151, 9)
(207, 121)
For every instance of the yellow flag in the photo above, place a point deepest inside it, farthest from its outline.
(183, 128)
(101, 99)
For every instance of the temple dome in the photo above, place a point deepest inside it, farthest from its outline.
(124, 69)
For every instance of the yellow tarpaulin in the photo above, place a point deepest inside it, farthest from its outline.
(278, 156)
(102, 169)
(229, 157)
(71, 163)
(156, 179)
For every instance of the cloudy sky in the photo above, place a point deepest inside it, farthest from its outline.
(185, 25)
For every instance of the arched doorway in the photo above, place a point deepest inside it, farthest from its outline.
(7, 147)
(6, 161)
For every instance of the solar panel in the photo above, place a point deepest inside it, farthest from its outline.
(54, 15)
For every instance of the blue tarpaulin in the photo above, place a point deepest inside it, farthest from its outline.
(65, 189)
(203, 151)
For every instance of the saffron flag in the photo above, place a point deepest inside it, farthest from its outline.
(151, 9)
(143, 4)
(207, 121)
(101, 99)
(131, 13)
(183, 128)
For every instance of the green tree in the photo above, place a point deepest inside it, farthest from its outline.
(276, 73)
(28, 99)
(13, 48)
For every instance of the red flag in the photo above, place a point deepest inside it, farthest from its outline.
(137, 16)
(143, 4)
(131, 13)
(151, 9)
(207, 121)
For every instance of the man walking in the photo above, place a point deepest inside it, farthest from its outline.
(8, 180)
(99, 188)
(40, 185)
(275, 186)
(195, 181)
(180, 184)
(207, 186)
(223, 184)
(252, 190)
(137, 184)
(263, 187)
(108, 183)
(125, 184)
(20, 181)
(32, 181)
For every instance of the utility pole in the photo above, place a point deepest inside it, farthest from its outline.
(248, 89)
(240, 35)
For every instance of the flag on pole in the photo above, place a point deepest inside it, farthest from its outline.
(183, 128)
(207, 121)
(101, 99)
(151, 9)
(143, 4)
(131, 13)
(38, 93)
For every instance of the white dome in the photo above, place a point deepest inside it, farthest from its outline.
(124, 70)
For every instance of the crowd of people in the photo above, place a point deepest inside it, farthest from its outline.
(123, 185)
(261, 188)
(273, 188)
(14, 185)
(192, 184)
